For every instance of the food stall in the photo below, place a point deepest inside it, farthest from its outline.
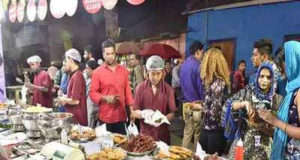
(38, 133)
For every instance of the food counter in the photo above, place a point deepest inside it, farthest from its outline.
(48, 135)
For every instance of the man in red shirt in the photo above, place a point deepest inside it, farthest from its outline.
(76, 104)
(155, 94)
(110, 89)
(239, 80)
(42, 83)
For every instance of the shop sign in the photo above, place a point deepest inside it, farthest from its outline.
(92, 6)
(135, 2)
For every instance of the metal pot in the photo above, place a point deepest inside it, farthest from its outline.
(31, 125)
(30, 121)
(3, 113)
(16, 119)
(15, 115)
(51, 124)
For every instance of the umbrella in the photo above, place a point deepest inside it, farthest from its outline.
(127, 47)
(163, 50)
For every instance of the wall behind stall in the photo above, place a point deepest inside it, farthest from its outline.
(247, 25)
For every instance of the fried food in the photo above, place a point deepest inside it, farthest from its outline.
(139, 144)
(3, 105)
(176, 153)
(119, 139)
(181, 151)
(87, 134)
(108, 154)
(37, 109)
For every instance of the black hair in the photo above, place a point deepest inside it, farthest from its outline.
(92, 64)
(242, 61)
(280, 57)
(108, 43)
(195, 47)
(88, 49)
(264, 46)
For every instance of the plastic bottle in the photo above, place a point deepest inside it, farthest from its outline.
(239, 150)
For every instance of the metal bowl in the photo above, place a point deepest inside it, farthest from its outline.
(139, 154)
(51, 133)
(61, 115)
(51, 124)
(31, 125)
(15, 119)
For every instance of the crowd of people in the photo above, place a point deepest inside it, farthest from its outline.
(218, 106)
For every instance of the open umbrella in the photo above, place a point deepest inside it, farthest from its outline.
(163, 50)
(127, 47)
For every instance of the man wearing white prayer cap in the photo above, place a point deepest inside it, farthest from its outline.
(154, 94)
(76, 102)
(42, 83)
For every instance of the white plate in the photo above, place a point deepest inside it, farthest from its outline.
(13, 139)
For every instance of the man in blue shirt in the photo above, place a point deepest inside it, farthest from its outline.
(262, 52)
(191, 85)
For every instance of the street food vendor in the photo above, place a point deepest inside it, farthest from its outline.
(155, 94)
(76, 101)
(42, 83)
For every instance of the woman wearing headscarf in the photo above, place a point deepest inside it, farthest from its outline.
(286, 138)
(216, 78)
(260, 95)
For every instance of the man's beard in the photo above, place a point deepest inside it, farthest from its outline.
(110, 62)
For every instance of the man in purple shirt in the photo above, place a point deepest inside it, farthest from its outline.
(192, 89)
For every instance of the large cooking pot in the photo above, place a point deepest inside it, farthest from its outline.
(15, 115)
(51, 124)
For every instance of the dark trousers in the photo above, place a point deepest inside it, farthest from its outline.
(213, 141)
(118, 127)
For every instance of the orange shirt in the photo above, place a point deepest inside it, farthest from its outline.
(106, 82)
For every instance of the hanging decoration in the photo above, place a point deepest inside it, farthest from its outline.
(21, 10)
(31, 10)
(135, 2)
(57, 8)
(12, 11)
(42, 9)
(92, 6)
(5, 5)
(109, 4)
(71, 7)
